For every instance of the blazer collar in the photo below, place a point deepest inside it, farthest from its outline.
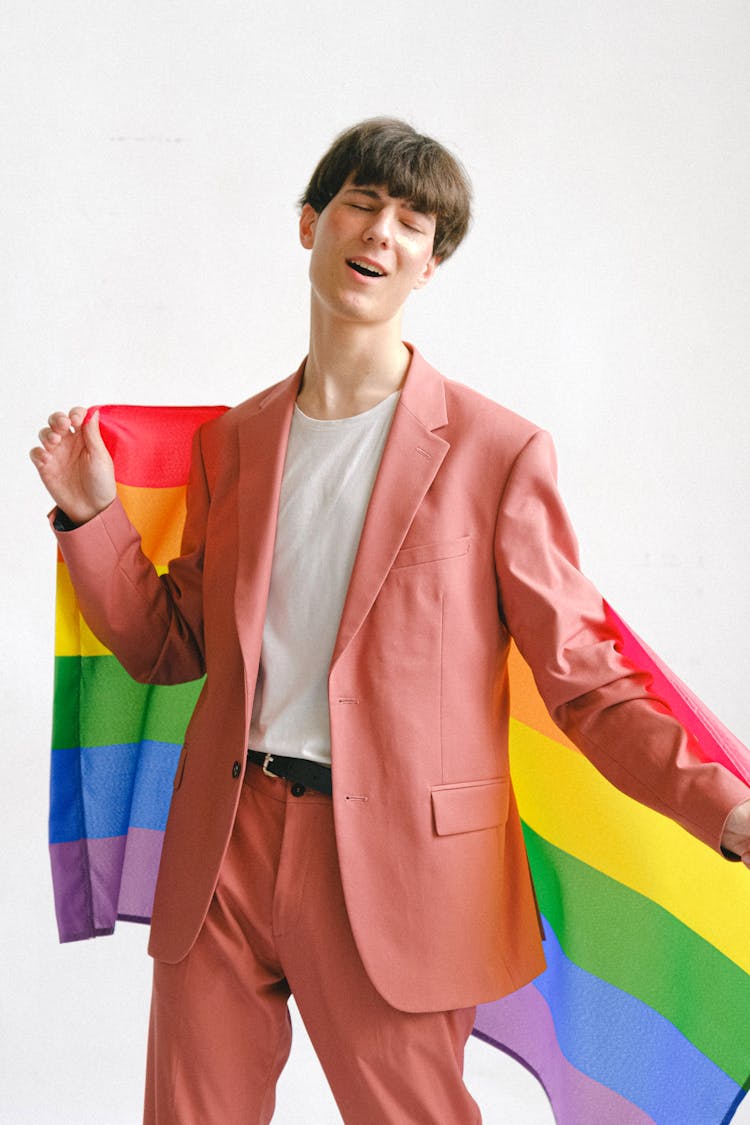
(423, 393)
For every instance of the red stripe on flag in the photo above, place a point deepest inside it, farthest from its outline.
(716, 743)
(151, 445)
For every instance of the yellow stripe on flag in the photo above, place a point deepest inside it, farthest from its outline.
(72, 635)
(628, 842)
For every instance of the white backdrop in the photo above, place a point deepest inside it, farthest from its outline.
(152, 155)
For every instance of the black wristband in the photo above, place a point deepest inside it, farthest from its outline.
(63, 522)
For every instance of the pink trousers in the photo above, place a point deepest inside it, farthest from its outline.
(220, 1030)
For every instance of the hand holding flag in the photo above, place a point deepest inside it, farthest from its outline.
(75, 465)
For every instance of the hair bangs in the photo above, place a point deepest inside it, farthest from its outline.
(406, 172)
(389, 153)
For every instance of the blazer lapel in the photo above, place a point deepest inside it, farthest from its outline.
(263, 436)
(412, 456)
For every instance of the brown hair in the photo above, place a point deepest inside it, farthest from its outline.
(389, 153)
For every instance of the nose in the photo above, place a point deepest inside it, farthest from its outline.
(380, 229)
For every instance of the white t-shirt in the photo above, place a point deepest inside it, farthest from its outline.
(329, 472)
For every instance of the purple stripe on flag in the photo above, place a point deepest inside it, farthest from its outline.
(521, 1024)
(105, 868)
(98, 881)
(69, 862)
(141, 864)
(86, 876)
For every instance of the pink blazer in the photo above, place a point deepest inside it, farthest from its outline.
(465, 544)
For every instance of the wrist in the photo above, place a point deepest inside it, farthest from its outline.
(736, 832)
(65, 521)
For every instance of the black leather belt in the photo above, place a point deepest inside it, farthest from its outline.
(312, 775)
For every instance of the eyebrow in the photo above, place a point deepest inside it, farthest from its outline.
(373, 193)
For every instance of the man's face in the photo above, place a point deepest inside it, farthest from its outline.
(369, 250)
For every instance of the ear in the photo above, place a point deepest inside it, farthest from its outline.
(427, 272)
(307, 220)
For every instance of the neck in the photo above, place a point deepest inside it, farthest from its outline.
(351, 367)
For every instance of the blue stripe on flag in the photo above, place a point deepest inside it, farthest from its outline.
(128, 785)
(626, 1045)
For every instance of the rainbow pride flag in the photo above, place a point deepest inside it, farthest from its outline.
(643, 1014)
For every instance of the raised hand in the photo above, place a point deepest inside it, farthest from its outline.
(74, 464)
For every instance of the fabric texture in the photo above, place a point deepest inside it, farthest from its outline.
(640, 1014)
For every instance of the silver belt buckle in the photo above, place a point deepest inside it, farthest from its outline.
(266, 763)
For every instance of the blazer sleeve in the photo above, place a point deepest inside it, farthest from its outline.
(604, 704)
(152, 623)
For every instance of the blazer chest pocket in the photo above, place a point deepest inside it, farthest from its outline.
(470, 806)
(432, 552)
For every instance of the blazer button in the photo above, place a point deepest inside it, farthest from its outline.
(236, 769)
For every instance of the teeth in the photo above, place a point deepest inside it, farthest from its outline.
(366, 266)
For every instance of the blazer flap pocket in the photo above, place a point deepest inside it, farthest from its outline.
(432, 552)
(470, 806)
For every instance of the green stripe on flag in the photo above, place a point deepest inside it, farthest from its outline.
(98, 704)
(627, 940)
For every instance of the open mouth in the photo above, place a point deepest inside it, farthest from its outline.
(365, 270)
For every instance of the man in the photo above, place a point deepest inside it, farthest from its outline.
(362, 540)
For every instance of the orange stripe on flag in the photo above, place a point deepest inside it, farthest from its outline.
(526, 703)
(159, 514)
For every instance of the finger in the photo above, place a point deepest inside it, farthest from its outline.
(59, 422)
(93, 435)
(49, 437)
(62, 422)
